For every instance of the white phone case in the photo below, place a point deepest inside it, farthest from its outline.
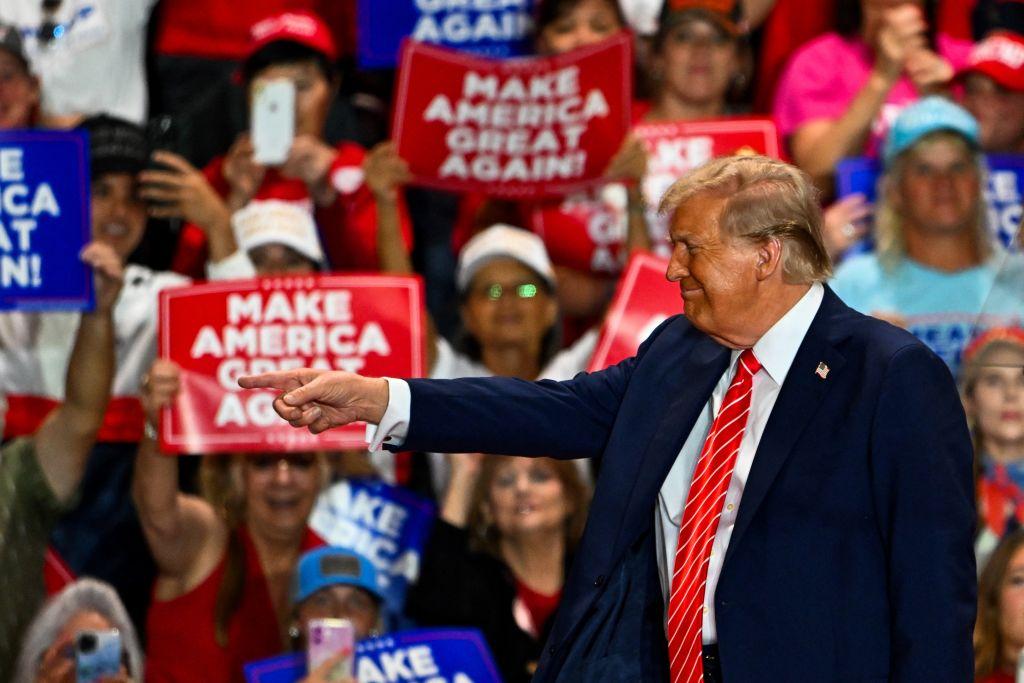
(273, 121)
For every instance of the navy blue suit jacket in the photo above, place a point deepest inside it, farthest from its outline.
(851, 558)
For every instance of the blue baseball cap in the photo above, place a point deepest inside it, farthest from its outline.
(924, 117)
(330, 566)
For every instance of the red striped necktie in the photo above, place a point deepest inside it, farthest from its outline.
(703, 509)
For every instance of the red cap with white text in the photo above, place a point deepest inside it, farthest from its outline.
(1000, 56)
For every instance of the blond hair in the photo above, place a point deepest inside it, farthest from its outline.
(765, 199)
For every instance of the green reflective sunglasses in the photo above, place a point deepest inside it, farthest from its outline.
(524, 291)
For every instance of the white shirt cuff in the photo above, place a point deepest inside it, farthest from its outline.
(394, 426)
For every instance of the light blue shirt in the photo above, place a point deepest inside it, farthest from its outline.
(940, 308)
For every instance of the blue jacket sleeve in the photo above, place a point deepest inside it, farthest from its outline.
(922, 465)
(505, 416)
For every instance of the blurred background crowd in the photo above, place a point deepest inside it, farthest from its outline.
(206, 563)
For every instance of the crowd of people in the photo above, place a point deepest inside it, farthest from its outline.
(205, 563)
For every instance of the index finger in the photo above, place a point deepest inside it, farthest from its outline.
(283, 380)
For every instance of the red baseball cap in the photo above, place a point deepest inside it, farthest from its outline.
(304, 28)
(1000, 56)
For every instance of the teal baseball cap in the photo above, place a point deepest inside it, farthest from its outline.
(926, 116)
(331, 566)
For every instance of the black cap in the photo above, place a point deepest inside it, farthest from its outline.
(115, 145)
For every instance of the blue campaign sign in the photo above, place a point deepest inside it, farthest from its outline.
(426, 655)
(1004, 194)
(1004, 191)
(491, 28)
(44, 220)
(444, 655)
(386, 524)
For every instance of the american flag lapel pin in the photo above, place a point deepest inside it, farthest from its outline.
(822, 370)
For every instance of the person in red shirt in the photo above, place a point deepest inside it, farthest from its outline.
(999, 629)
(224, 559)
(328, 180)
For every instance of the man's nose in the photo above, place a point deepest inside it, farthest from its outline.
(678, 268)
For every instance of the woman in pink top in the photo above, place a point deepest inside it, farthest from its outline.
(841, 90)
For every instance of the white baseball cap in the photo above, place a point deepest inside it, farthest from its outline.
(273, 221)
(503, 241)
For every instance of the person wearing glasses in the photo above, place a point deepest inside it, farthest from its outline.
(225, 558)
(509, 310)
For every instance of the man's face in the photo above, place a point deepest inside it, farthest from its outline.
(717, 273)
(939, 189)
(118, 215)
(1000, 114)
(19, 93)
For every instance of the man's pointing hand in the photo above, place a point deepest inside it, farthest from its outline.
(321, 399)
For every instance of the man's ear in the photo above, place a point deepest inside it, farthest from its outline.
(769, 258)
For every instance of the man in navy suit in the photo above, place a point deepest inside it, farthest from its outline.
(785, 491)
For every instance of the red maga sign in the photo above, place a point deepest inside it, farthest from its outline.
(674, 149)
(215, 332)
(643, 300)
(518, 128)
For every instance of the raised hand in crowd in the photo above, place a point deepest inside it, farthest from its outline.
(901, 47)
(176, 526)
(242, 173)
(64, 440)
(385, 172)
(182, 191)
(845, 223)
(902, 33)
(322, 399)
(458, 499)
(309, 160)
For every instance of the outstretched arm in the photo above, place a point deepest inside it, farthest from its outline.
(490, 415)
(65, 439)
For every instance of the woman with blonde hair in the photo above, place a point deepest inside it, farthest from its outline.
(999, 629)
(224, 559)
(499, 553)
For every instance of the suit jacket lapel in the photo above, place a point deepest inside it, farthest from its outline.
(692, 381)
(799, 398)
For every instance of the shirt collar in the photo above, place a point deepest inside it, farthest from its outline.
(777, 347)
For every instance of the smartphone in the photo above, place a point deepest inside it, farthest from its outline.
(272, 120)
(97, 655)
(326, 639)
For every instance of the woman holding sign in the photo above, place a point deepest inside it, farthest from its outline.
(225, 559)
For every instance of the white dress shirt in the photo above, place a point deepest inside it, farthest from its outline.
(775, 350)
